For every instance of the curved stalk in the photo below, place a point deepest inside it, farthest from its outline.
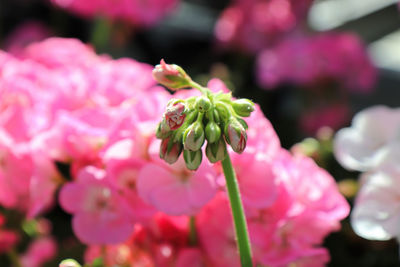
(243, 241)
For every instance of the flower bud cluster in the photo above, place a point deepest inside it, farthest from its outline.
(212, 117)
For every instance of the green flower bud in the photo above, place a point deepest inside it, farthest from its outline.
(243, 123)
(235, 135)
(223, 112)
(203, 104)
(216, 151)
(243, 107)
(163, 130)
(193, 138)
(213, 132)
(217, 118)
(192, 159)
(170, 150)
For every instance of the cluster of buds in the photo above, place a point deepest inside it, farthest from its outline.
(187, 124)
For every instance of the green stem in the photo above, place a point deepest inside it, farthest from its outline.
(14, 259)
(192, 231)
(202, 89)
(239, 218)
(101, 34)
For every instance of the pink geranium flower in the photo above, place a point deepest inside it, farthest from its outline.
(101, 215)
(25, 34)
(252, 25)
(341, 58)
(141, 13)
(39, 252)
(176, 190)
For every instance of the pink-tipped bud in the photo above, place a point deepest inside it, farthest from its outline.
(193, 138)
(170, 151)
(216, 151)
(175, 115)
(69, 263)
(163, 130)
(171, 76)
(192, 159)
(235, 135)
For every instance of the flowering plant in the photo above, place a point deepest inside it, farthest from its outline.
(96, 126)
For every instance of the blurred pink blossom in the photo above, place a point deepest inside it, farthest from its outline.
(306, 208)
(255, 24)
(176, 190)
(25, 34)
(334, 116)
(60, 102)
(97, 208)
(304, 61)
(39, 252)
(8, 238)
(136, 12)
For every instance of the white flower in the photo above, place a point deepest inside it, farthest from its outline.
(376, 214)
(367, 143)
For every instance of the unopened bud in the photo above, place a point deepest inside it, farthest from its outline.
(243, 123)
(163, 130)
(222, 110)
(170, 151)
(193, 138)
(171, 76)
(235, 135)
(213, 132)
(203, 104)
(243, 107)
(216, 151)
(192, 159)
(69, 263)
(175, 115)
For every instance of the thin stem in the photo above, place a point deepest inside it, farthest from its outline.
(239, 218)
(192, 231)
(101, 34)
(202, 89)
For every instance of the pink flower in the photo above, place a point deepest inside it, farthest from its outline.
(135, 12)
(190, 257)
(25, 34)
(8, 239)
(334, 116)
(15, 174)
(216, 233)
(124, 177)
(44, 182)
(253, 25)
(39, 252)
(174, 115)
(174, 189)
(62, 53)
(318, 205)
(101, 215)
(341, 58)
